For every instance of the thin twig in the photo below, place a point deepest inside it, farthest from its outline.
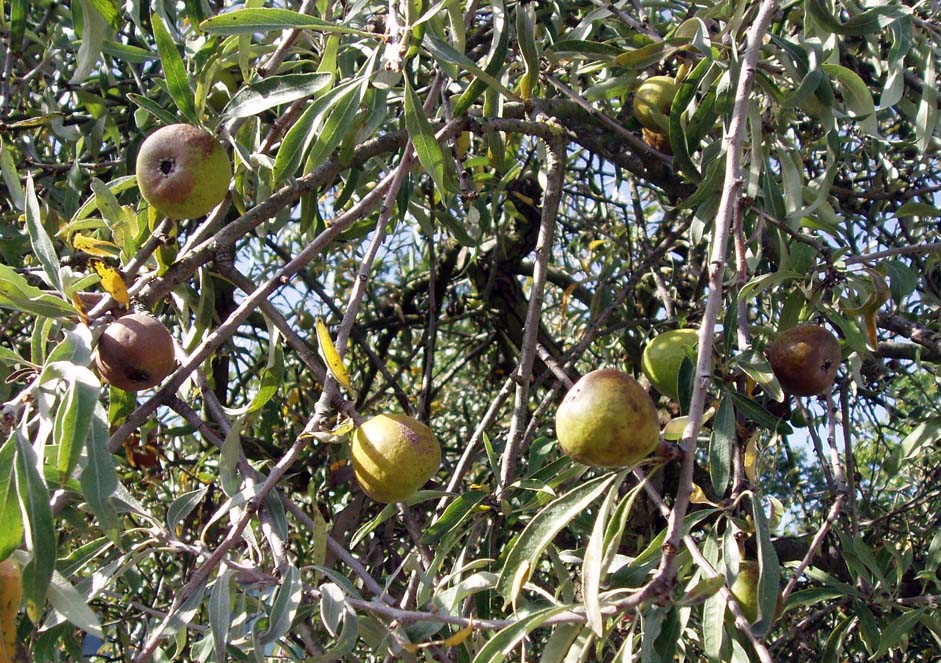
(835, 509)
(550, 207)
(731, 194)
(818, 446)
(850, 459)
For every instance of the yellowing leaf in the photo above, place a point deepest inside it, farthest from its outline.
(566, 296)
(460, 636)
(80, 307)
(674, 429)
(697, 496)
(330, 356)
(751, 456)
(95, 247)
(112, 282)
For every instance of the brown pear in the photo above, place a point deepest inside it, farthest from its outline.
(805, 359)
(607, 419)
(135, 352)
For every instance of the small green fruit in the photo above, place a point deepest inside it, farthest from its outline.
(805, 359)
(393, 456)
(745, 589)
(183, 171)
(135, 352)
(652, 103)
(663, 357)
(607, 420)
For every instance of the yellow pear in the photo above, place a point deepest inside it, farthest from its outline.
(393, 456)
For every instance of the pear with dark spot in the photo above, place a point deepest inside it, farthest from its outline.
(183, 171)
(135, 352)
(805, 359)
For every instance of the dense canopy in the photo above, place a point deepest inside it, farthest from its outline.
(453, 210)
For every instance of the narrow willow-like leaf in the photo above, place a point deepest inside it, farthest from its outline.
(650, 54)
(74, 418)
(499, 46)
(440, 167)
(868, 22)
(685, 93)
(926, 119)
(345, 641)
(274, 91)
(337, 124)
(760, 415)
(456, 513)
(41, 537)
(69, 603)
(108, 10)
(756, 366)
(11, 520)
(499, 646)
(769, 582)
(802, 92)
(11, 177)
(269, 382)
(248, 21)
(94, 30)
(296, 141)
(544, 526)
(526, 40)
(174, 70)
(220, 613)
(154, 109)
(721, 445)
(183, 617)
(99, 478)
(592, 566)
(446, 53)
(284, 607)
(182, 506)
(856, 95)
(713, 630)
(39, 239)
(230, 455)
(17, 24)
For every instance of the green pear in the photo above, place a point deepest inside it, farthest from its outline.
(663, 357)
(607, 420)
(745, 589)
(183, 171)
(652, 103)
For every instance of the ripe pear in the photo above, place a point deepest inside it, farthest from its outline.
(652, 103)
(183, 171)
(805, 359)
(663, 357)
(607, 420)
(745, 588)
(393, 456)
(135, 352)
